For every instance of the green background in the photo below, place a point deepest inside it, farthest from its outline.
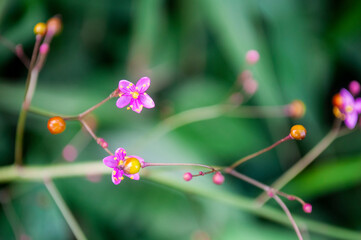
(193, 51)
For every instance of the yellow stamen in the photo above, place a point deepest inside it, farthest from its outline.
(135, 95)
(128, 108)
(114, 172)
(122, 178)
(120, 94)
(120, 163)
(131, 177)
(349, 109)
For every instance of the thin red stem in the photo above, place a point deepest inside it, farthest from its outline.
(244, 159)
(17, 50)
(289, 215)
(148, 164)
(90, 131)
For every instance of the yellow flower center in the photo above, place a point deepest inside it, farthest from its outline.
(349, 109)
(135, 95)
(131, 166)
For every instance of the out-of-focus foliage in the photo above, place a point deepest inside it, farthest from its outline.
(193, 51)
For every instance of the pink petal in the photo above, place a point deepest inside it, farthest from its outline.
(123, 101)
(143, 84)
(136, 106)
(133, 176)
(110, 161)
(120, 153)
(347, 98)
(351, 120)
(358, 105)
(126, 86)
(117, 176)
(146, 101)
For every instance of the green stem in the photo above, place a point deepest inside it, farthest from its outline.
(73, 224)
(29, 91)
(37, 173)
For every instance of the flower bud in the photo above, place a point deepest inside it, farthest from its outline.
(54, 25)
(218, 178)
(298, 132)
(337, 100)
(307, 208)
(354, 87)
(40, 29)
(252, 57)
(102, 142)
(44, 48)
(56, 125)
(187, 176)
(296, 109)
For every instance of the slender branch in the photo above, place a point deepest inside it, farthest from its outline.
(303, 162)
(148, 164)
(83, 114)
(10, 214)
(73, 224)
(17, 50)
(258, 112)
(253, 155)
(29, 91)
(90, 131)
(37, 173)
(289, 215)
(267, 189)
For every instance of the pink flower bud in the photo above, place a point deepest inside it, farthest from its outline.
(44, 48)
(102, 142)
(218, 178)
(187, 176)
(70, 153)
(250, 86)
(252, 56)
(307, 208)
(270, 193)
(354, 87)
(201, 173)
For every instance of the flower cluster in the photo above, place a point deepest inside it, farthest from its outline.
(124, 165)
(346, 106)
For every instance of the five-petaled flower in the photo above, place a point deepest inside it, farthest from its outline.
(350, 108)
(123, 165)
(135, 95)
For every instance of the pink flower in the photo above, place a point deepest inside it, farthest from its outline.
(135, 95)
(350, 108)
(123, 165)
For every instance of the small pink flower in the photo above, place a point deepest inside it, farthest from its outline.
(135, 95)
(120, 164)
(350, 108)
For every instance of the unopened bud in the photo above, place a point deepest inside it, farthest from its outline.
(187, 176)
(102, 143)
(252, 56)
(307, 208)
(218, 178)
